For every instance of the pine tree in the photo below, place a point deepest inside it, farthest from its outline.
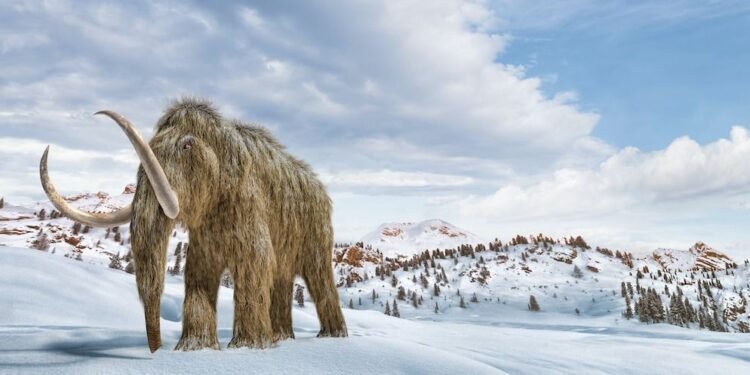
(299, 295)
(474, 298)
(462, 304)
(628, 310)
(533, 304)
(387, 309)
(401, 293)
(2, 202)
(394, 281)
(374, 296)
(114, 262)
(436, 290)
(436, 308)
(676, 313)
(41, 242)
(577, 272)
(395, 313)
(176, 268)
(351, 304)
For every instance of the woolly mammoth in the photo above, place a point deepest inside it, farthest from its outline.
(250, 207)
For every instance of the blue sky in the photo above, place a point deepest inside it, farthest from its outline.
(651, 78)
(623, 121)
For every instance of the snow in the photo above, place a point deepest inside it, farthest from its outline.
(394, 239)
(62, 316)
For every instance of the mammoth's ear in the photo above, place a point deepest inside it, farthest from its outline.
(186, 143)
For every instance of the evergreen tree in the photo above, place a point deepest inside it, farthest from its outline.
(114, 262)
(394, 281)
(436, 308)
(299, 295)
(436, 290)
(176, 268)
(395, 313)
(533, 304)
(474, 298)
(2, 202)
(351, 304)
(577, 272)
(462, 304)
(628, 310)
(676, 313)
(387, 309)
(717, 323)
(41, 242)
(401, 293)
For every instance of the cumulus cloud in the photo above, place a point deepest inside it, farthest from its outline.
(323, 75)
(628, 178)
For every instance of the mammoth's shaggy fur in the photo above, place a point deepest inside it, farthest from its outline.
(251, 208)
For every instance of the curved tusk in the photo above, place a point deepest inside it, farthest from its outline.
(163, 190)
(110, 219)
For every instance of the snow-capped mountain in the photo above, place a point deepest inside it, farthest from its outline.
(394, 239)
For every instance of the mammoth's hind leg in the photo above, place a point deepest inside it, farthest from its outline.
(202, 277)
(319, 280)
(281, 308)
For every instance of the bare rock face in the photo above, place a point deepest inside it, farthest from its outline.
(709, 259)
(129, 189)
(564, 254)
(355, 256)
(700, 257)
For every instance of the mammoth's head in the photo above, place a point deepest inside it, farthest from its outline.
(191, 164)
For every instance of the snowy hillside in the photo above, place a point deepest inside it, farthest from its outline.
(66, 317)
(394, 239)
(434, 280)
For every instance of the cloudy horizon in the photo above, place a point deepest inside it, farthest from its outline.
(625, 122)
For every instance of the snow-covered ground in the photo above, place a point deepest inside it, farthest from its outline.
(61, 316)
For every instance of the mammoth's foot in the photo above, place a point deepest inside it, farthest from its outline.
(283, 335)
(250, 341)
(333, 332)
(189, 343)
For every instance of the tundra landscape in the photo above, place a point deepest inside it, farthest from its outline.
(375, 187)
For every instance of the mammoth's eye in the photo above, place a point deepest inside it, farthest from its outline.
(187, 143)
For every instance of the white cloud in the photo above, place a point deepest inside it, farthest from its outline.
(681, 172)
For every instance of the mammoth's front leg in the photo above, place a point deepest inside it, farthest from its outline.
(252, 271)
(202, 277)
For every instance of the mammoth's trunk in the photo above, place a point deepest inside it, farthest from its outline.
(150, 230)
